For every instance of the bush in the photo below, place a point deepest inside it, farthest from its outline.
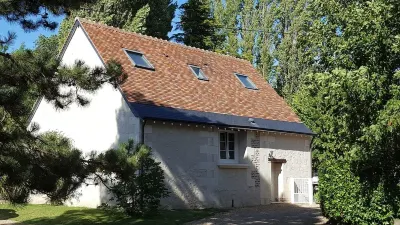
(345, 201)
(137, 180)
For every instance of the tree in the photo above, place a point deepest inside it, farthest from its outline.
(353, 103)
(150, 17)
(356, 151)
(226, 17)
(198, 26)
(31, 163)
(249, 23)
(136, 180)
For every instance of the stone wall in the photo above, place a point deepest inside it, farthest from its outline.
(189, 156)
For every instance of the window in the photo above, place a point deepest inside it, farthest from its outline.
(245, 80)
(227, 146)
(139, 60)
(198, 72)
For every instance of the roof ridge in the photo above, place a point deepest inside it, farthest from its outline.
(155, 38)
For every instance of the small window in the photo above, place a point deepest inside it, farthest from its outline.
(245, 80)
(227, 146)
(139, 60)
(198, 72)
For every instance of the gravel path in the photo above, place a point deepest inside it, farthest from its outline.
(280, 213)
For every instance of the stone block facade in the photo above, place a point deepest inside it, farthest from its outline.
(189, 155)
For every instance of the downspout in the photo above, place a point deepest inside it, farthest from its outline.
(142, 134)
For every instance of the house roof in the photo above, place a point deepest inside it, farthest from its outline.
(172, 85)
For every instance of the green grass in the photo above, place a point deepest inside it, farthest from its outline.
(47, 214)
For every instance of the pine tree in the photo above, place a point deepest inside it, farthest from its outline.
(198, 26)
(32, 163)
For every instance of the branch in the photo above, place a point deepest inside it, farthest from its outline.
(102, 181)
(7, 56)
(4, 117)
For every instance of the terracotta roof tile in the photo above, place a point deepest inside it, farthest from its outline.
(172, 83)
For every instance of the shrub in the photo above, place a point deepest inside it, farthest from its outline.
(137, 180)
(345, 201)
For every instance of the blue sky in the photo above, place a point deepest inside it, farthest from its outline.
(29, 38)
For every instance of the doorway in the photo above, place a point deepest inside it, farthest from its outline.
(276, 182)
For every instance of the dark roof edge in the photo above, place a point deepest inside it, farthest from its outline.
(34, 109)
(153, 112)
(235, 126)
(70, 35)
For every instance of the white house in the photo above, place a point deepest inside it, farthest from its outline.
(222, 134)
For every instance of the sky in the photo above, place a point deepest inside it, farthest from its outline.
(29, 38)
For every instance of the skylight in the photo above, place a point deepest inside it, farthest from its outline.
(245, 80)
(198, 72)
(139, 60)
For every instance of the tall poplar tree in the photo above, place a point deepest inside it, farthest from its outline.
(280, 57)
(269, 34)
(249, 25)
(226, 16)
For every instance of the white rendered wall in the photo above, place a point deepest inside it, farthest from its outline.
(101, 125)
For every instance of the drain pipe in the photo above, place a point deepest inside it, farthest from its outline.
(142, 134)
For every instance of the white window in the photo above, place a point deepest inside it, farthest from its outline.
(198, 72)
(227, 147)
(245, 80)
(139, 60)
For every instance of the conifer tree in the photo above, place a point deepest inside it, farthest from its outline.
(198, 26)
(32, 163)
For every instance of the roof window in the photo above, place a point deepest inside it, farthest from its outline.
(198, 72)
(245, 80)
(139, 60)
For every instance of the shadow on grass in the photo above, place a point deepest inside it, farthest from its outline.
(97, 216)
(6, 214)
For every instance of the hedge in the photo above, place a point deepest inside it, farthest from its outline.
(344, 201)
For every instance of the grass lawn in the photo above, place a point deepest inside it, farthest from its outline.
(47, 214)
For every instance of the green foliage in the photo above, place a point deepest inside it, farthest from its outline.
(136, 179)
(347, 110)
(151, 17)
(270, 34)
(198, 26)
(47, 163)
(351, 99)
(225, 14)
(57, 170)
(31, 15)
(344, 200)
(338, 106)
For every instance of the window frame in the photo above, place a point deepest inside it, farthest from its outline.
(194, 73)
(150, 67)
(236, 152)
(248, 79)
